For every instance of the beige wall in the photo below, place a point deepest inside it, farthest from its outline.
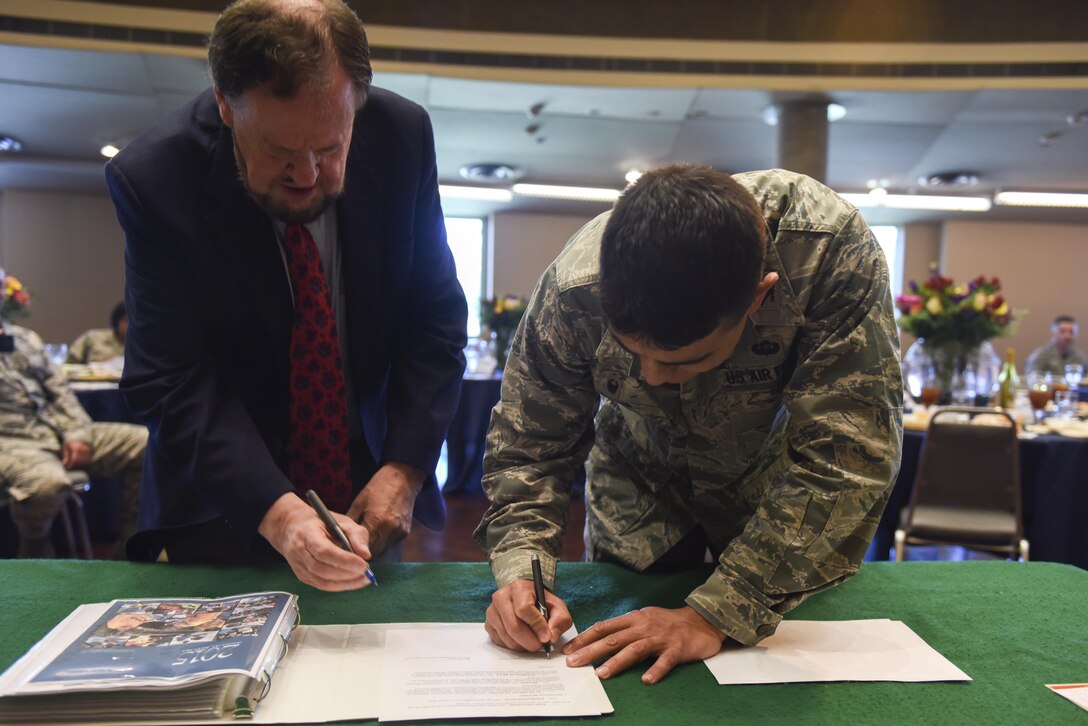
(1043, 269)
(921, 246)
(523, 245)
(68, 249)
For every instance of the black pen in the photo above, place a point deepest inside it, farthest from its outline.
(334, 528)
(541, 604)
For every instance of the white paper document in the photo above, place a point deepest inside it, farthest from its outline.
(331, 673)
(406, 671)
(456, 672)
(803, 651)
(1075, 692)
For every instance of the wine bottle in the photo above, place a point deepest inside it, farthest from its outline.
(1007, 381)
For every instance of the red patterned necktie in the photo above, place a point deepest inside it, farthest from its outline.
(319, 421)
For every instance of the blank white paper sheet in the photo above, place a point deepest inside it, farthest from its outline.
(1075, 692)
(803, 651)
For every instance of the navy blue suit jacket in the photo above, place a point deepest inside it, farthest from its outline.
(210, 310)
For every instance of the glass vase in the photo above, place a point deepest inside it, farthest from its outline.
(966, 374)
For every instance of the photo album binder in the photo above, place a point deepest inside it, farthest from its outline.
(147, 660)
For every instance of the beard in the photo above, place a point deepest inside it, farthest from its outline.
(279, 210)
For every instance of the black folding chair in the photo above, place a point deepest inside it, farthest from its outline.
(967, 490)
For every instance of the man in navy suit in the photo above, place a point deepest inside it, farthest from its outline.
(291, 137)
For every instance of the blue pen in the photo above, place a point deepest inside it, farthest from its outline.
(334, 528)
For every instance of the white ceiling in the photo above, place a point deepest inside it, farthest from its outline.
(65, 104)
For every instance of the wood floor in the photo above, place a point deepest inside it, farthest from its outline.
(455, 544)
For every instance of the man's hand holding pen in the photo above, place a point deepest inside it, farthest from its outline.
(525, 616)
(514, 621)
(296, 531)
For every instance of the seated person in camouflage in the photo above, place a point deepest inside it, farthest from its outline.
(724, 352)
(101, 344)
(44, 433)
(1060, 351)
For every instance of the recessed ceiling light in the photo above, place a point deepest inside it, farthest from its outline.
(489, 172)
(948, 179)
(1049, 138)
(9, 144)
(632, 176)
(109, 151)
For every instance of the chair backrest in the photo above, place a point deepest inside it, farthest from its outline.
(969, 465)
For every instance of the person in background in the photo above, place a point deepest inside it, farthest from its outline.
(1054, 355)
(102, 344)
(724, 351)
(45, 433)
(295, 320)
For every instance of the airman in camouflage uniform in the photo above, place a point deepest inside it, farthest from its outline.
(43, 427)
(784, 455)
(102, 344)
(1058, 352)
(95, 346)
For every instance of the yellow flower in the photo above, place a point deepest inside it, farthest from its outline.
(1001, 309)
(933, 305)
(979, 301)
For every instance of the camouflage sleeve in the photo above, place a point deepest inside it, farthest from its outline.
(62, 411)
(541, 431)
(826, 492)
(77, 351)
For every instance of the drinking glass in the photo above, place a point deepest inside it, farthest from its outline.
(57, 353)
(929, 387)
(1074, 374)
(1040, 390)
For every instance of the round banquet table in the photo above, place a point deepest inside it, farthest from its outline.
(467, 433)
(1054, 494)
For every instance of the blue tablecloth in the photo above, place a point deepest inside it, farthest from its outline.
(1054, 492)
(104, 402)
(466, 435)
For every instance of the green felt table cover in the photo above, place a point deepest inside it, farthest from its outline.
(1012, 627)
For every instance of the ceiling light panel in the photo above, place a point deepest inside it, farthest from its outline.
(1040, 199)
(919, 201)
(550, 191)
(448, 191)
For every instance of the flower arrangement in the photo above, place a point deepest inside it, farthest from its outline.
(501, 316)
(942, 312)
(951, 322)
(16, 298)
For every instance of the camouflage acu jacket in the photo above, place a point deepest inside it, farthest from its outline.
(36, 406)
(1048, 359)
(94, 346)
(784, 455)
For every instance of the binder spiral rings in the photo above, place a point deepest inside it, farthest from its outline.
(246, 706)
